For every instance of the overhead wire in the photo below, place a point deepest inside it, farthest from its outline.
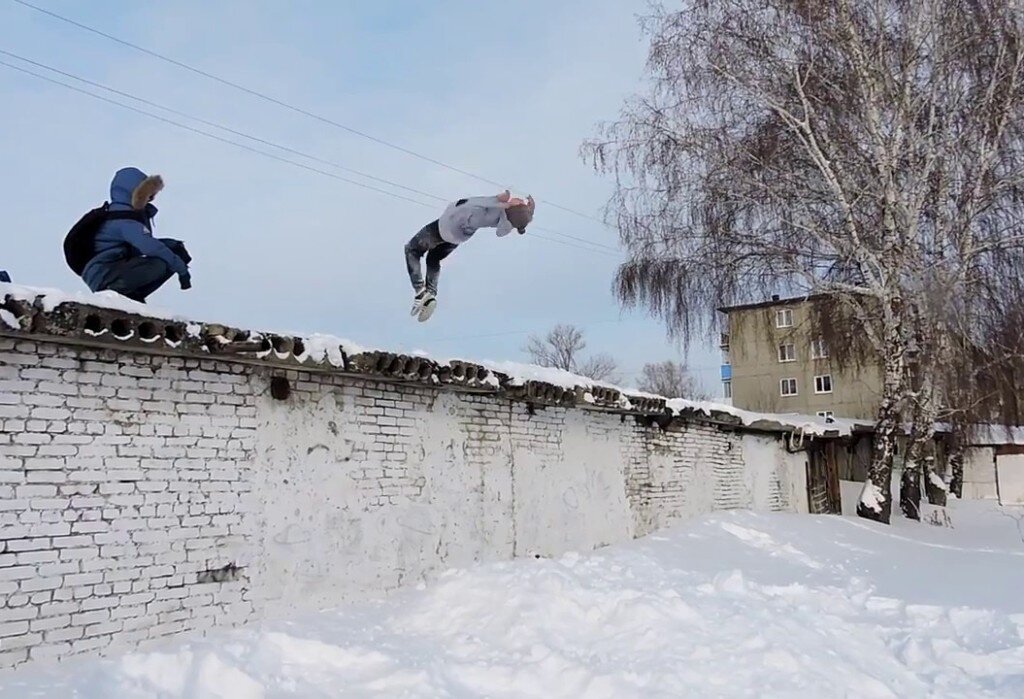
(596, 247)
(291, 107)
(251, 149)
(272, 144)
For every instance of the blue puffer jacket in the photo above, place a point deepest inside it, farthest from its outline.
(123, 239)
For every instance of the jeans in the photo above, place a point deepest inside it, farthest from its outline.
(427, 242)
(138, 277)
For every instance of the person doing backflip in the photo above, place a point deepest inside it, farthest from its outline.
(457, 224)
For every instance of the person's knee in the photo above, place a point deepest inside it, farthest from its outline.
(156, 272)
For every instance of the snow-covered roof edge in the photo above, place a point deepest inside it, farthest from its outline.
(107, 318)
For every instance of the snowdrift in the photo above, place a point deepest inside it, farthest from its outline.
(734, 604)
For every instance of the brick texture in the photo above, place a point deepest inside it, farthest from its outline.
(143, 496)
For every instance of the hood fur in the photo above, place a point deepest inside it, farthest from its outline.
(147, 189)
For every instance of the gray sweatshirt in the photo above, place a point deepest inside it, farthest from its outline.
(459, 222)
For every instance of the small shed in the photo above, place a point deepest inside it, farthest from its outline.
(994, 464)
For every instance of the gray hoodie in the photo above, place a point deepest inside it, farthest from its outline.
(461, 219)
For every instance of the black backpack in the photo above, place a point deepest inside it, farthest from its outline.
(80, 242)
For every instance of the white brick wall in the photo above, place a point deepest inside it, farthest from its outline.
(125, 479)
(115, 473)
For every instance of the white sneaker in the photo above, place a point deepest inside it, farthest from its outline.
(428, 308)
(418, 301)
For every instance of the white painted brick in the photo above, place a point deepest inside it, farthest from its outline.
(13, 628)
(80, 554)
(93, 617)
(13, 657)
(49, 503)
(83, 579)
(50, 623)
(106, 628)
(89, 527)
(36, 491)
(25, 613)
(24, 641)
(50, 651)
(43, 462)
(69, 633)
(58, 569)
(93, 603)
(59, 608)
(28, 543)
(36, 584)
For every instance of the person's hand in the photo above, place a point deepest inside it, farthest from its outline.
(186, 281)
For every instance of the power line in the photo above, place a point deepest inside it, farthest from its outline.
(207, 133)
(257, 151)
(215, 125)
(288, 106)
(272, 144)
(512, 332)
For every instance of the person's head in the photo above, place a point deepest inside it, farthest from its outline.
(520, 215)
(133, 187)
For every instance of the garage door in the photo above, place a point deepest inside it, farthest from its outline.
(1010, 478)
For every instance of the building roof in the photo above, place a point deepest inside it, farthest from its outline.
(789, 301)
(106, 320)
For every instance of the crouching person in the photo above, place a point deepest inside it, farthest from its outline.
(113, 248)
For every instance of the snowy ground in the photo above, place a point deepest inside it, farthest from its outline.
(733, 604)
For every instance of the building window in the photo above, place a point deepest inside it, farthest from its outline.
(787, 387)
(823, 384)
(784, 318)
(787, 352)
(726, 359)
(819, 350)
(727, 389)
(827, 415)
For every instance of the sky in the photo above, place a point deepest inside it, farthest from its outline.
(506, 92)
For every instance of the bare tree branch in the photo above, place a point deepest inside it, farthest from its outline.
(869, 152)
(562, 348)
(672, 380)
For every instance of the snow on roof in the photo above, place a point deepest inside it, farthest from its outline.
(808, 424)
(51, 298)
(319, 348)
(995, 435)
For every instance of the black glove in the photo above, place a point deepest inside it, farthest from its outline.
(186, 281)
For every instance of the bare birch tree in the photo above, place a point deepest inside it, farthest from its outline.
(867, 150)
(670, 379)
(562, 348)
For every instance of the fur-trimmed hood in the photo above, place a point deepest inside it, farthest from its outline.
(132, 187)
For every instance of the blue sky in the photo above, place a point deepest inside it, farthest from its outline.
(506, 91)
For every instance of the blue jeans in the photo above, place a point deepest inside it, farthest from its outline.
(427, 242)
(138, 277)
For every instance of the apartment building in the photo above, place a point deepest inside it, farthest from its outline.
(774, 361)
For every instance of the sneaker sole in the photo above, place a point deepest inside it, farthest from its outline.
(427, 310)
